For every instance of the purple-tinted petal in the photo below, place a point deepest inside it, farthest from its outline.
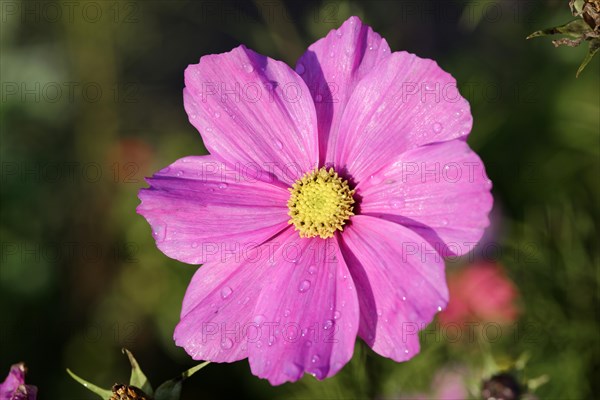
(331, 68)
(440, 191)
(217, 315)
(14, 387)
(399, 280)
(403, 103)
(202, 210)
(253, 110)
(308, 313)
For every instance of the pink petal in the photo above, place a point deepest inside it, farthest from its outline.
(441, 191)
(252, 110)
(309, 313)
(403, 103)
(332, 67)
(217, 315)
(202, 210)
(400, 284)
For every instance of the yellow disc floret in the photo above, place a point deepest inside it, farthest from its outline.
(320, 203)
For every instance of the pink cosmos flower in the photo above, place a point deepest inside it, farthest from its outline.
(14, 387)
(480, 292)
(331, 193)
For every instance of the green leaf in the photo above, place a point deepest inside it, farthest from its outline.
(575, 29)
(103, 393)
(138, 378)
(594, 47)
(171, 390)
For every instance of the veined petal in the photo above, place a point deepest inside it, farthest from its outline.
(200, 209)
(251, 109)
(403, 103)
(400, 284)
(331, 68)
(308, 313)
(441, 191)
(217, 315)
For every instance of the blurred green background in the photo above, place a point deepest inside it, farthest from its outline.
(92, 103)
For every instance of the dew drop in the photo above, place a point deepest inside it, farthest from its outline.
(279, 144)
(225, 292)
(248, 68)
(300, 68)
(444, 222)
(406, 351)
(376, 179)
(315, 359)
(337, 314)
(259, 319)
(222, 186)
(227, 344)
(193, 116)
(259, 344)
(403, 298)
(338, 33)
(437, 127)
(217, 114)
(286, 313)
(373, 46)
(160, 232)
(194, 245)
(180, 173)
(308, 343)
(304, 286)
(328, 324)
(332, 54)
(396, 203)
(439, 308)
(312, 270)
(291, 370)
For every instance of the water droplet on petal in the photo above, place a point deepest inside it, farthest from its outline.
(328, 324)
(279, 144)
(337, 314)
(373, 46)
(217, 114)
(286, 313)
(248, 68)
(437, 127)
(180, 173)
(304, 286)
(300, 68)
(194, 245)
(291, 370)
(159, 232)
(225, 292)
(315, 359)
(396, 203)
(406, 351)
(338, 33)
(312, 270)
(439, 308)
(308, 343)
(222, 186)
(227, 344)
(403, 298)
(444, 222)
(259, 319)
(376, 179)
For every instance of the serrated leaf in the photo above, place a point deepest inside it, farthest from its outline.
(593, 49)
(171, 390)
(103, 393)
(138, 378)
(575, 29)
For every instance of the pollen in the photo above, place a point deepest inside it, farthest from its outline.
(320, 203)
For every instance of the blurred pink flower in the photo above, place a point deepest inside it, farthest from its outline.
(480, 292)
(364, 152)
(447, 384)
(14, 387)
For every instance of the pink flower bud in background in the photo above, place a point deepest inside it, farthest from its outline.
(480, 292)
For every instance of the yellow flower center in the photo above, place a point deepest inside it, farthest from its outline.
(320, 203)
